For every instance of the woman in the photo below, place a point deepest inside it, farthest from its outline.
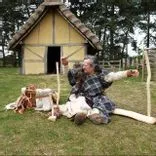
(92, 84)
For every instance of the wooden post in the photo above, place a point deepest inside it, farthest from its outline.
(58, 83)
(148, 83)
(143, 68)
(53, 117)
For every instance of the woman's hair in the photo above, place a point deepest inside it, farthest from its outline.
(94, 62)
(92, 58)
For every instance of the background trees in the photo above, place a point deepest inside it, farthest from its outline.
(114, 22)
(13, 14)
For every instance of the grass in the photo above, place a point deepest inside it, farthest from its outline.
(32, 134)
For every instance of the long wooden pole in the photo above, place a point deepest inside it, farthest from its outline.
(64, 60)
(148, 83)
(53, 117)
(143, 67)
(58, 83)
(147, 119)
(134, 115)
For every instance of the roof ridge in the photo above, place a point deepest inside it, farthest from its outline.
(81, 26)
(38, 14)
(32, 19)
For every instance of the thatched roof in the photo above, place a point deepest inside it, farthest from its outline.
(41, 11)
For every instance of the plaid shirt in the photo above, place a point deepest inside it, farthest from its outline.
(92, 88)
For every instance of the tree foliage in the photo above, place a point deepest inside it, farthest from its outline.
(113, 21)
(13, 14)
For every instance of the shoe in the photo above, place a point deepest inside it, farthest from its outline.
(72, 118)
(80, 118)
(57, 112)
(98, 119)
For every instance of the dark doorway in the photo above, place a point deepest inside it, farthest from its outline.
(53, 56)
(91, 50)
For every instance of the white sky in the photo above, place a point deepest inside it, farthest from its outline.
(139, 38)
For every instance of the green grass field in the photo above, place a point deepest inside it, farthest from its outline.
(33, 134)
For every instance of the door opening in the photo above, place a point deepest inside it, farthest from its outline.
(53, 56)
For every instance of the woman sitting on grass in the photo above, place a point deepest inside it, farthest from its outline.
(87, 98)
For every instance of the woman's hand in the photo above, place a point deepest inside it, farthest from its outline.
(132, 73)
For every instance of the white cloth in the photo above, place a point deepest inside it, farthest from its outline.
(113, 76)
(44, 101)
(10, 106)
(39, 92)
(44, 104)
(76, 105)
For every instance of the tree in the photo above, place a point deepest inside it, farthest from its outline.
(114, 22)
(13, 15)
(148, 9)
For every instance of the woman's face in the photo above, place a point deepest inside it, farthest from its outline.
(88, 67)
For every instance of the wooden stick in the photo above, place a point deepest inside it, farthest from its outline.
(58, 83)
(134, 115)
(143, 67)
(53, 117)
(147, 119)
(52, 106)
(74, 52)
(64, 60)
(148, 83)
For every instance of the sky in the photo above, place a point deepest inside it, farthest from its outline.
(139, 38)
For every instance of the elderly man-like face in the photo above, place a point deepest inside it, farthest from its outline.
(88, 67)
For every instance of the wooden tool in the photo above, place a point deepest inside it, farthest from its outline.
(64, 60)
(140, 117)
(53, 117)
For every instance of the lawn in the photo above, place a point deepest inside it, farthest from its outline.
(33, 134)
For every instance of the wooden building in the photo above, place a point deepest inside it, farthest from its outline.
(52, 32)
